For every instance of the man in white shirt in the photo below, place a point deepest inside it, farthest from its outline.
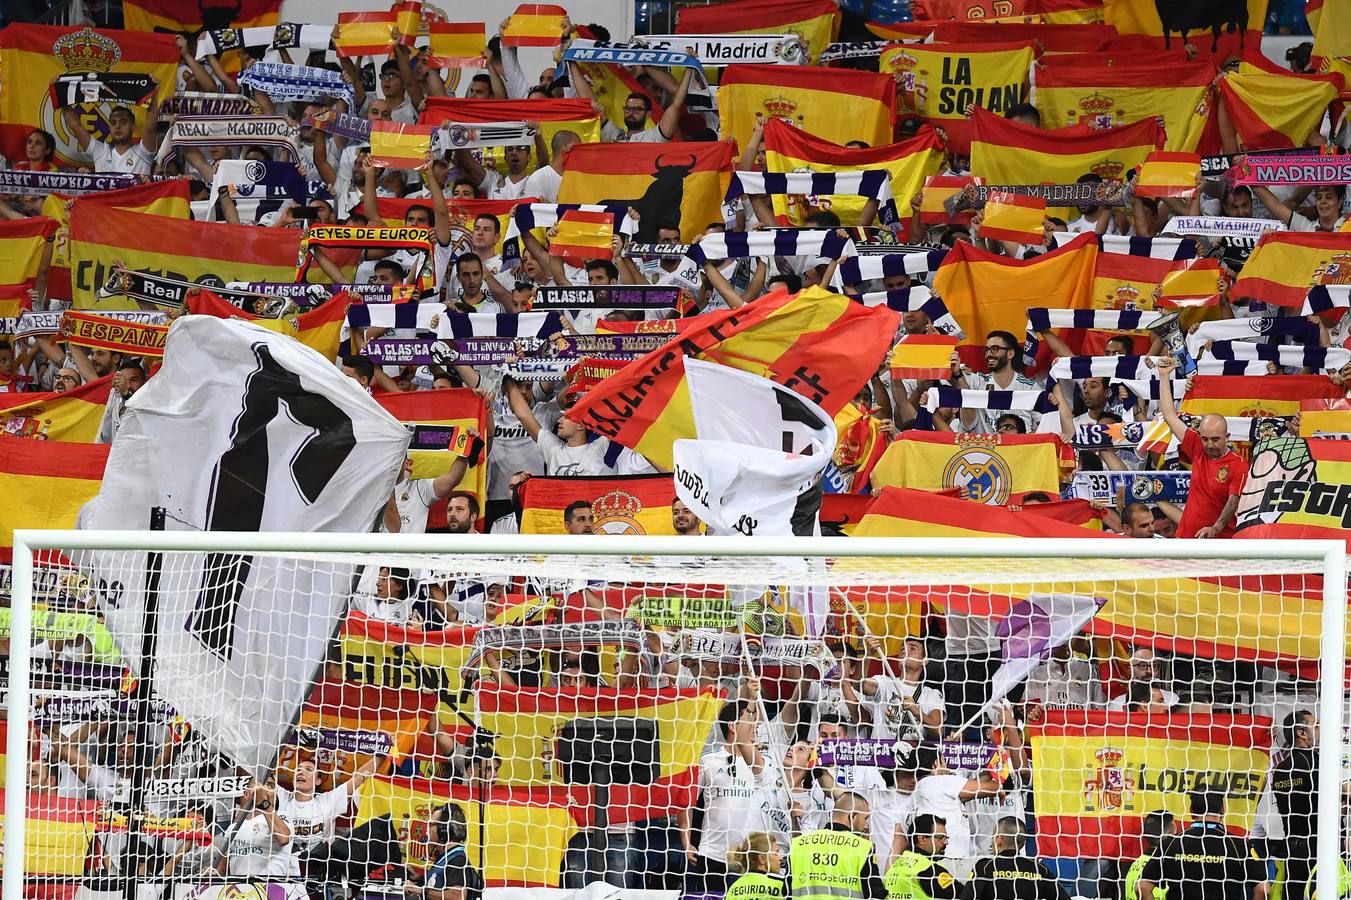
(385, 595)
(120, 154)
(898, 707)
(1067, 679)
(637, 110)
(570, 452)
(413, 497)
(1144, 668)
(1001, 352)
(545, 181)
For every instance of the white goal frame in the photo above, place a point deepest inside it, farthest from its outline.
(1332, 555)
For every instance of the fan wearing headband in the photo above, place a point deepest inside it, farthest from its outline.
(451, 877)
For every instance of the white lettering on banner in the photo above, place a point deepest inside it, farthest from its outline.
(188, 788)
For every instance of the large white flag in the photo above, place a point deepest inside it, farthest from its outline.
(759, 448)
(243, 429)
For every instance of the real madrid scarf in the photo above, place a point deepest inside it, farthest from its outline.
(874, 183)
(272, 132)
(1041, 319)
(1315, 358)
(464, 135)
(959, 398)
(859, 269)
(1117, 368)
(287, 82)
(100, 87)
(917, 299)
(105, 333)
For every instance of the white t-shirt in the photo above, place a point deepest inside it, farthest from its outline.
(889, 809)
(886, 706)
(543, 183)
(312, 820)
(585, 459)
(135, 161)
(414, 498)
(1072, 682)
(940, 795)
(612, 132)
(1116, 704)
(253, 851)
(500, 187)
(731, 795)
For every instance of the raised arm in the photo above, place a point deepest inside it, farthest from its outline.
(520, 405)
(669, 126)
(1165, 366)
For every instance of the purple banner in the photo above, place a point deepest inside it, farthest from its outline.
(72, 184)
(589, 296)
(493, 351)
(888, 754)
(1312, 169)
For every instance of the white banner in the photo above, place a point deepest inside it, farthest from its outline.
(243, 429)
(725, 49)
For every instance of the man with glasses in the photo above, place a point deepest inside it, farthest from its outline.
(1145, 670)
(637, 109)
(66, 379)
(1001, 354)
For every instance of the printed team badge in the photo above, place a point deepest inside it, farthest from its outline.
(617, 513)
(1110, 787)
(80, 51)
(979, 471)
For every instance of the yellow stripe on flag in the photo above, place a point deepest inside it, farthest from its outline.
(922, 356)
(43, 484)
(364, 33)
(398, 145)
(839, 105)
(534, 25)
(583, 235)
(1007, 152)
(1166, 174)
(1193, 282)
(1014, 217)
(73, 416)
(986, 467)
(1319, 417)
(456, 44)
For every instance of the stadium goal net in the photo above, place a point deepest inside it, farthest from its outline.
(287, 715)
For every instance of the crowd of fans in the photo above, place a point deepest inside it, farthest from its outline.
(767, 805)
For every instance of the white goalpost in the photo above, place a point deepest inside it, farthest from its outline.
(558, 704)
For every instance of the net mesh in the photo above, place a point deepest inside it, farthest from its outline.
(341, 724)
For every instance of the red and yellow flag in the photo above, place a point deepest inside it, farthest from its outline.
(158, 198)
(861, 443)
(1071, 91)
(365, 33)
(534, 25)
(817, 22)
(583, 235)
(1331, 24)
(102, 237)
(664, 182)
(1271, 111)
(1121, 281)
(34, 56)
(73, 416)
(1298, 487)
(553, 116)
(1235, 25)
(1270, 395)
(823, 345)
(923, 356)
(1099, 772)
(174, 16)
(1168, 174)
(639, 504)
(43, 484)
(987, 468)
(789, 149)
(401, 715)
(986, 292)
(1005, 152)
(1285, 264)
(22, 244)
(1049, 38)
(1324, 417)
(943, 82)
(838, 105)
(400, 146)
(1192, 282)
(319, 328)
(444, 409)
(1051, 12)
(937, 189)
(1014, 217)
(456, 45)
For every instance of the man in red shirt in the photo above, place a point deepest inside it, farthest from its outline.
(1218, 472)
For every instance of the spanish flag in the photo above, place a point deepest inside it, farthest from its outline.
(1049, 38)
(1070, 92)
(1006, 152)
(817, 22)
(174, 16)
(408, 19)
(1166, 174)
(1270, 111)
(1014, 217)
(534, 25)
(58, 833)
(684, 181)
(1324, 417)
(861, 442)
(102, 237)
(524, 831)
(72, 417)
(528, 719)
(158, 198)
(844, 511)
(1051, 12)
(553, 116)
(938, 189)
(365, 33)
(986, 467)
(1099, 772)
(582, 236)
(443, 409)
(1285, 264)
(319, 328)
(397, 145)
(822, 345)
(1331, 24)
(986, 292)
(944, 82)
(1270, 395)
(381, 655)
(923, 356)
(34, 56)
(838, 105)
(1121, 281)
(43, 484)
(789, 149)
(1134, 19)
(456, 45)
(1192, 282)
(639, 504)
(1298, 486)
(400, 714)
(22, 244)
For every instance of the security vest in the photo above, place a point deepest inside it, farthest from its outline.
(902, 878)
(828, 865)
(1343, 883)
(756, 886)
(1133, 875)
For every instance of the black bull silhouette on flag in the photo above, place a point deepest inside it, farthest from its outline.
(1184, 16)
(659, 207)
